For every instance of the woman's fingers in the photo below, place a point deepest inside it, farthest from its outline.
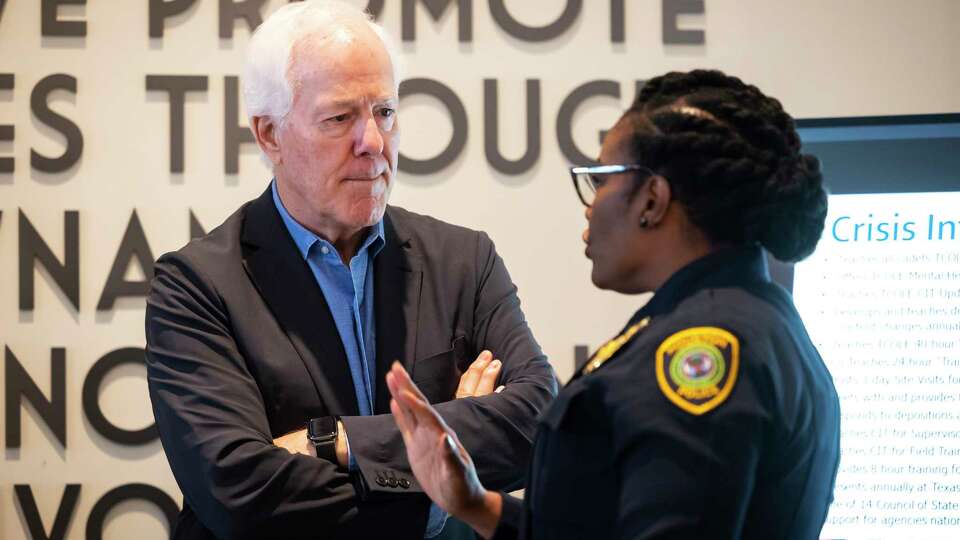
(405, 382)
(402, 423)
(414, 414)
(461, 450)
(414, 407)
(405, 419)
(421, 411)
(454, 455)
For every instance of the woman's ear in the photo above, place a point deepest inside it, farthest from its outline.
(650, 204)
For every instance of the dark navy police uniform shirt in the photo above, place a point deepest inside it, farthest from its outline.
(711, 416)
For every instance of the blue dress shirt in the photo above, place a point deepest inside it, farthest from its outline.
(349, 293)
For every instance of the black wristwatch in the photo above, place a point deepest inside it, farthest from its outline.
(322, 433)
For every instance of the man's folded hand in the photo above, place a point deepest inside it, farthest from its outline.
(481, 377)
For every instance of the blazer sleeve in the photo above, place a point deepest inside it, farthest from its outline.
(213, 425)
(497, 429)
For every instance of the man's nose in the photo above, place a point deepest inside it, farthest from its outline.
(370, 142)
(587, 212)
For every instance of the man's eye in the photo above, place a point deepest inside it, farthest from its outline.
(387, 113)
(596, 180)
(338, 118)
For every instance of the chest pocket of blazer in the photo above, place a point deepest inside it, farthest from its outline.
(438, 375)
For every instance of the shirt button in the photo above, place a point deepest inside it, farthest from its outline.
(324, 250)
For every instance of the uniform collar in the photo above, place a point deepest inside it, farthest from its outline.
(726, 267)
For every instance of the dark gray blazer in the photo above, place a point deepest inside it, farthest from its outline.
(241, 348)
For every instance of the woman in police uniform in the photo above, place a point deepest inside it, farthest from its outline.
(711, 415)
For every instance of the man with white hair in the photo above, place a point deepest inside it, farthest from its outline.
(268, 339)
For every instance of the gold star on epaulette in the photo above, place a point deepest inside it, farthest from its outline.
(608, 349)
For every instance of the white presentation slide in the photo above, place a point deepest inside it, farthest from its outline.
(881, 300)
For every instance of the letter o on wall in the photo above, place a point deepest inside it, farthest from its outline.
(91, 399)
(458, 116)
(129, 492)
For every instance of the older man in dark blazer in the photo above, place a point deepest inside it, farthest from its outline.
(291, 312)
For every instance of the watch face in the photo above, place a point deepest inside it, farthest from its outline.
(322, 427)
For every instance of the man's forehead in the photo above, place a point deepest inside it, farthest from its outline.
(359, 58)
(348, 84)
(344, 73)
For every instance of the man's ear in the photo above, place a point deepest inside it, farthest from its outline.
(652, 201)
(266, 132)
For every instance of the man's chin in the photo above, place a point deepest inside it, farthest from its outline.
(369, 214)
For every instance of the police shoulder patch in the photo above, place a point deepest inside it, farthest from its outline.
(697, 368)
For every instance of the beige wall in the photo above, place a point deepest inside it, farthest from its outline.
(821, 58)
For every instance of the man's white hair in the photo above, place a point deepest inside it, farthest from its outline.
(267, 88)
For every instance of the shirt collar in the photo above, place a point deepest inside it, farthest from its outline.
(305, 239)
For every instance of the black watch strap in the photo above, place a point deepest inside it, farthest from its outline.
(322, 433)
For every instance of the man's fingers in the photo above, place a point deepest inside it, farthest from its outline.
(471, 377)
(488, 378)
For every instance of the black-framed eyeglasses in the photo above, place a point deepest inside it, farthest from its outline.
(587, 180)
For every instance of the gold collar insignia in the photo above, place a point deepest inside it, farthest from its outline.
(610, 348)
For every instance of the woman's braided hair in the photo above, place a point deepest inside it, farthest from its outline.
(732, 157)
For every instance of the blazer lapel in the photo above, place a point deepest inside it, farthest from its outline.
(397, 280)
(290, 289)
